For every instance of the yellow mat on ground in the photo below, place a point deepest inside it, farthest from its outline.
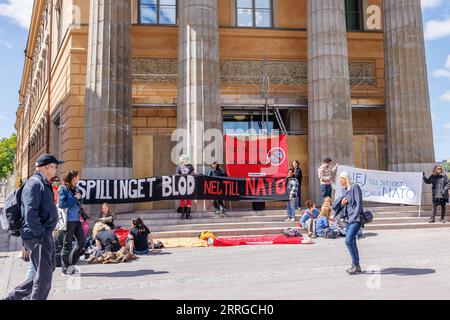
(183, 242)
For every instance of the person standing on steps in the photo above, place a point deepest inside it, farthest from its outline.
(299, 175)
(440, 186)
(327, 176)
(350, 207)
(185, 169)
(218, 205)
(292, 185)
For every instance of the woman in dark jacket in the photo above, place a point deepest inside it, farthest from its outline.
(440, 186)
(218, 205)
(299, 175)
(350, 208)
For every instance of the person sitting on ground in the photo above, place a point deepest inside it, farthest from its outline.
(105, 239)
(324, 229)
(106, 216)
(139, 238)
(309, 216)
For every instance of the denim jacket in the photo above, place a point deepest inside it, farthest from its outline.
(67, 200)
(352, 212)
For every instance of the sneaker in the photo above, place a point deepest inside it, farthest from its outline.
(431, 220)
(442, 220)
(292, 220)
(287, 219)
(353, 270)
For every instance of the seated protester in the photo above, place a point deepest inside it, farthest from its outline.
(105, 239)
(139, 237)
(106, 216)
(323, 227)
(334, 223)
(308, 217)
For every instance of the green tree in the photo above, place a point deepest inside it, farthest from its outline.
(7, 155)
(446, 167)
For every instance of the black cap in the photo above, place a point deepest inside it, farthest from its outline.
(327, 159)
(47, 159)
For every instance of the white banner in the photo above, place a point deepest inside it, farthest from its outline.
(385, 186)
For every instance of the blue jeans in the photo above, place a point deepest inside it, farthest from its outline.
(30, 272)
(291, 207)
(352, 231)
(326, 190)
(299, 197)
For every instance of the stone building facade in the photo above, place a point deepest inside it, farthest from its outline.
(105, 82)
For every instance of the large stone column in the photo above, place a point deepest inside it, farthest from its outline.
(199, 76)
(108, 129)
(329, 102)
(410, 136)
(409, 128)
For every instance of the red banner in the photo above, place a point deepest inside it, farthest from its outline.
(256, 156)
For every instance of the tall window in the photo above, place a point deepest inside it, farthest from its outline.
(353, 10)
(59, 22)
(158, 12)
(254, 13)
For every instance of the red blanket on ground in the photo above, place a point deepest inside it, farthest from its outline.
(258, 240)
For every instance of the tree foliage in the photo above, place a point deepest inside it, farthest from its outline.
(7, 155)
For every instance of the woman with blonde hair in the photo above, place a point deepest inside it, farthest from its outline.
(185, 169)
(323, 227)
(350, 207)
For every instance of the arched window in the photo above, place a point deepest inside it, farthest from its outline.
(354, 14)
(158, 12)
(254, 13)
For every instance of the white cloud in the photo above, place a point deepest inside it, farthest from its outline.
(441, 73)
(430, 4)
(447, 126)
(437, 29)
(18, 11)
(446, 96)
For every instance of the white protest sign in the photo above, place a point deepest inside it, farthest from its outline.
(385, 186)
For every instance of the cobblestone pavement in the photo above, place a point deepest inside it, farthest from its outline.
(399, 264)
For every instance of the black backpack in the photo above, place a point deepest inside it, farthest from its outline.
(11, 216)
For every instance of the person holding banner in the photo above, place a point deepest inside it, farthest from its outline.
(185, 168)
(441, 185)
(327, 176)
(350, 208)
(218, 205)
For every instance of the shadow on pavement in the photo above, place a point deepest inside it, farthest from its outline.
(124, 274)
(404, 271)
(369, 234)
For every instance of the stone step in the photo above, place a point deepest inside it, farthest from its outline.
(275, 231)
(226, 224)
(173, 216)
(151, 221)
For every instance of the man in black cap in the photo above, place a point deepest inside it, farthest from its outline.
(327, 176)
(39, 220)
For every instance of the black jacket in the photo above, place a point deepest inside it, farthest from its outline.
(440, 185)
(298, 174)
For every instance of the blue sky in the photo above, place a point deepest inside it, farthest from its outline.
(14, 20)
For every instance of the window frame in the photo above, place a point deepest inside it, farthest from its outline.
(254, 26)
(361, 17)
(158, 8)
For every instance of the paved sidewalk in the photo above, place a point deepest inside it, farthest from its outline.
(411, 264)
